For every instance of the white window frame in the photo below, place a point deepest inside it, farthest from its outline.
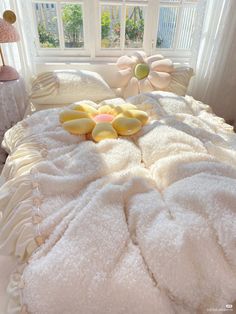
(173, 52)
(92, 50)
(62, 50)
(117, 51)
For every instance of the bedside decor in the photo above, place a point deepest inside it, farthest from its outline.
(8, 34)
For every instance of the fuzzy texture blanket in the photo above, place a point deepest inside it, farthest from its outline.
(143, 224)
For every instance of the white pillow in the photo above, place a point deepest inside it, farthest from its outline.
(63, 87)
(180, 80)
(140, 74)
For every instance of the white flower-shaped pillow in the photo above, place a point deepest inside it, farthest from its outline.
(139, 74)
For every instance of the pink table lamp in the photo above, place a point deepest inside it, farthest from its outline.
(8, 34)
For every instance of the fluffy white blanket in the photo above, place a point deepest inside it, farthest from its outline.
(130, 226)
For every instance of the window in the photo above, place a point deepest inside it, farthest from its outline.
(72, 18)
(108, 28)
(113, 35)
(47, 26)
(134, 26)
(176, 24)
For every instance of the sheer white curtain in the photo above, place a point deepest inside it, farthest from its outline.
(20, 55)
(215, 80)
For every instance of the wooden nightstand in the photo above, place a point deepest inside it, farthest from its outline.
(13, 102)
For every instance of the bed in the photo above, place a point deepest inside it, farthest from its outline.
(141, 224)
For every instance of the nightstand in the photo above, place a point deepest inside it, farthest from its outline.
(13, 103)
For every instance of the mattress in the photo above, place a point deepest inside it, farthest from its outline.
(141, 224)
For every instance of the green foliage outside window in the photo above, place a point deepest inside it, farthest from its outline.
(110, 27)
(47, 39)
(105, 22)
(159, 42)
(134, 27)
(73, 28)
(73, 25)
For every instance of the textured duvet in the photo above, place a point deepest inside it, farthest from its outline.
(139, 225)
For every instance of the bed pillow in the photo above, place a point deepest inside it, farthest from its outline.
(140, 74)
(63, 87)
(180, 79)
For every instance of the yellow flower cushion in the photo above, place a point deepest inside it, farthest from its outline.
(108, 121)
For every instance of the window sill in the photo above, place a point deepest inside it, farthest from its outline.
(100, 60)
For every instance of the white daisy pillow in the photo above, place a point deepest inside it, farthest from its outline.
(139, 74)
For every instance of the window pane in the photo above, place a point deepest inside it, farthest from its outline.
(72, 17)
(191, 1)
(170, 1)
(46, 16)
(136, 1)
(166, 27)
(186, 27)
(110, 26)
(134, 27)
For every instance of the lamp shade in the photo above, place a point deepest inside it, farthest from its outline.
(8, 32)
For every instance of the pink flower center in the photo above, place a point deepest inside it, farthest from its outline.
(103, 117)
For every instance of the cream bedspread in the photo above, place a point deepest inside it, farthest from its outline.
(130, 226)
